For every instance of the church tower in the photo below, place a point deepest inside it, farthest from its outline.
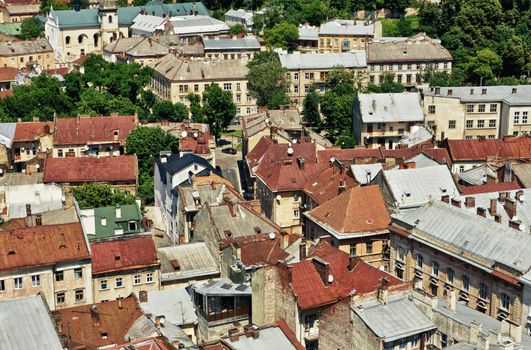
(108, 10)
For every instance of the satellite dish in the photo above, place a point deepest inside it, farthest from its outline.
(272, 235)
(86, 147)
(290, 151)
(162, 319)
(195, 135)
(279, 197)
(184, 134)
(330, 278)
(37, 166)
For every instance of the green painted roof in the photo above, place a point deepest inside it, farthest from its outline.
(129, 212)
(10, 28)
(90, 17)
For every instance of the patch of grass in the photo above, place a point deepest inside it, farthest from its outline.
(239, 147)
(236, 133)
(390, 26)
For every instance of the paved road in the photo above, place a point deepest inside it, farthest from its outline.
(228, 163)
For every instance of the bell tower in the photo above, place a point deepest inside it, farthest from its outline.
(108, 11)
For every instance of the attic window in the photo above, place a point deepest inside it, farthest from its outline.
(327, 215)
(257, 229)
(443, 190)
(407, 194)
(62, 246)
(116, 132)
(117, 257)
(228, 233)
(11, 252)
(103, 334)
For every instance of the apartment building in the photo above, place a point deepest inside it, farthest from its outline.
(406, 58)
(52, 259)
(175, 78)
(305, 71)
(342, 35)
(382, 120)
(442, 247)
(142, 50)
(474, 112)
(37, 53)
(31, 139)
(231, 48)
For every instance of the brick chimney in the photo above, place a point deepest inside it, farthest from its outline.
(456, 202)
(445, 198)
(519, 195)
(450, 299)
(514, 224)
(470, 202)
(383, 291)
(493, 206)
(233, 334)
(497, 218)
(302, 251)
(481, 212)
(143, 296)
(323, 269)
(502, 196)
(284, 240)
(510, 207)
(352, 260)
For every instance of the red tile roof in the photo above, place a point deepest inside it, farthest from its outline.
(282, 172)
(84, 327)
(93, 130)
(6, 93)
(150, 343)
(507, 148)
(31, 131)
(123, 254)
(195, 144)
(42, 245)
(350, 154)
(325, 185)
(259, 249)
(90, 169)
(56, 71)
(8, 73)
(311, 292)
(255, 155)
(357, 210)
(486, 188)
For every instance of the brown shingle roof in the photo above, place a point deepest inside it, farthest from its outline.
(325, 185)
(506, 148)
(357, 210)
(123, 254)
(42, 245)
(8, 73)
(90, 169)
(419, 48)
(87, 130)
(8, 48)
(30, 131)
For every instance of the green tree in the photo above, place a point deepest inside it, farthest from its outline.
(196, 110)
(218, 108)
(396, 7)
(99, 195)
(486, 65)
(310, 111)
(181, 112)
(516, 57)
(337, 112)
(283, 35)
(30, 28)
(237, 29)
(267, 80)
(387, 86)
(314, 11)
(163, 110)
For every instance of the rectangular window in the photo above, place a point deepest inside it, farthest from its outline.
(60, 298)
(483, 291)
(505, 301)
(372, 68)
(492, 123)
(451, 124)
(408, 78)
(524, 117)
(368, 248)
(353, 249)
(183, 88)
(308, 76)
(78, 273)
(493, 108)
(450, 275)
(400, 254)
(80, 295)
(419, 261)
(227, 86)
(59, 276)
(516, 119)
(248, 110)
(466, 283)
(468, 137)
(103, 285)
(469, 124)
(196, 87)
(481, 108)
(399, 78)
(36, 280)
(435, 268)
(381, 67)
(59, 152)
(238, 98)
(296, 88)
(409, 66)
(119, 282)
(149, 278)
(296, 214)
(248, 97)
(238, 86)
(371, 79)
(445, 65)
(17, 282)
(306, 89)
(481, 123)
(137, 280)
(295, 76)
(492, 136)
(390, 67)
(469, 108)
(431, 109)
(2, 286)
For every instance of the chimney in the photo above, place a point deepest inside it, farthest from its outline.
(481, 212)
(456, 202)
(302, 251)
(519, 195)
(445, 198)
(450, 92)
(284, 240)
(510, 207)
(514, 90)
(497, 218)
(248, 330)
(502, 196)
(493, 206)
(118, 211)
(472, 93)
(120, 306)
(514, 224)
(483, 343)
(322, 268)
(28, 209)
(437, 90)
(352, 260)
(95, 314)
(143, 296)
(233, 334)
(450, 299)
(300, 162)
(483, 91)
(383, 292)
(470, 202)
(342, 185)
(38, 220)
(475, 329)
(494, 337)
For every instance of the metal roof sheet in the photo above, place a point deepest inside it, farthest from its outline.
(175, 305)
(391, 107)
(354, 59)
(222, 286)
(347, 27)
(365, 173)
(194, 259)
(511, 94)
(270, 338)
(25, 324)
(249, 43)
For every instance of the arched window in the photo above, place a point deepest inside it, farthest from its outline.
(67, 40)
(110, 18)
(96, 40)
(81, 38)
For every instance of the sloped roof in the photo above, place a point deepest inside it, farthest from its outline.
(91, 130)
(311, 292)
(176, 163)
(193, 259)
(90, 169)
(523, 173)
(486, 188)
(256, 154)
(480, 149)
(123, 254)
(246, 43)
(147, 23)
(510, 94)
(358, 210)
(418, 48)
(175, 305)
(346, 27)
(296, 61)
(11, 48)
(26, 324)
(7, 133)
(8, 74)
(325, 185)
(390, 107)
(92, 218)
(30, 131)
(137, 47)
(197, 24)
(76, 19)
(371, 154)
(365, 173)
(23, 248)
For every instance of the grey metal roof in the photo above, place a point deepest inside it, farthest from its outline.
(365, 173)
(419, 134)
(522, 96)
(271, 338)
(7, 131)
(460, 232)
(174, 304)
(347, 27)
(194, 260)
(240, 223)
(391, 107)
(240, 13)
(26, 325)
(523, 173)
(147, 23)
(421, 161)
(247, 43)
(15, 179)
(307, 32)
(414, 187)
(398, 319)
(197, 25)
(222, 286)
(354, 59)
(477, 175)
(418, 48)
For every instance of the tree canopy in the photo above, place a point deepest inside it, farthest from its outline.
(218, 108)
(283, 35)
(100, 195)
(30, 28)
(267, 80)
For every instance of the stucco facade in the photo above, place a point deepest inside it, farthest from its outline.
(121, 284)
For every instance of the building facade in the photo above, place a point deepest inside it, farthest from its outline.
(346, 35)
(36, 53)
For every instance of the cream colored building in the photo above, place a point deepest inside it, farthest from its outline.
(37, 53)
(346, 35)
(13, 13)
(61, 271)
(406, 58)
(308, 70)
(175, 78)
(383, 119)
(478, 112)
